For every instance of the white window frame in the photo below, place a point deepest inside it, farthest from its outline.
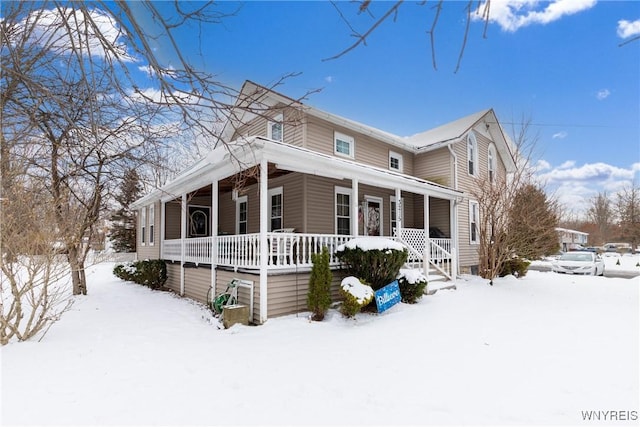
(275, 192)
(152, 219)
(472, 154)
(239, 201)
(277, 120)
(337, 136)
(491, 162)
(143, 226)
(398, 157)
(474, 218)
(392, 212)
(347, 192)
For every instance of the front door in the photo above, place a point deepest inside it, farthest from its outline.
(373, 217)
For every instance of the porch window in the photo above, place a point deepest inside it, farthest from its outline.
(343, 210)
(275, 128)
(242, 209)
(394, 222)
(275, 207)
(143, 225)
(491, 162)
(343, 144)
(151, 224)
(395, 161)
(472, 153)
(474, 237)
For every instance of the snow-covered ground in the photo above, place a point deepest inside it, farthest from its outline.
(537, 350)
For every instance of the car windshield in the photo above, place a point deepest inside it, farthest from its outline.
(576, 256)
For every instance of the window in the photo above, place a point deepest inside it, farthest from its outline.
(275, 207)
(474, 237)
(472, 153)
(395, 161)
(343, 210)
(491, 163)
(343, 144)
(394, 222)
(242, 210)
(143, 225)
(152, 220)
(275, 128)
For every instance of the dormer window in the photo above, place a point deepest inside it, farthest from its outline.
(275, 128)
(472, 154)
(343, 145)
(395, 161)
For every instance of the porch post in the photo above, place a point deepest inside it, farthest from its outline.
(399, 210)
(214, 236)
(163, 210)
(453, 215)
(183, 237)
(354, 207)
(427, 242)
(264, 206)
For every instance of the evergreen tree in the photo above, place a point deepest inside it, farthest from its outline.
(319, 295)
(123, 231)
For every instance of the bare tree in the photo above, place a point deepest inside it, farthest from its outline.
(628, 207)
(601, 214)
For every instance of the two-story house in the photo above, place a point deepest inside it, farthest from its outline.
(287, 182)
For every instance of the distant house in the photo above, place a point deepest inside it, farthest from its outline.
(296, 178)
(572, 239)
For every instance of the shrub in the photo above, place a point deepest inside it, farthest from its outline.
(412, 284)
(356, 295)
(374, 260)
(319, 294)
(516, 266)
(151, 273)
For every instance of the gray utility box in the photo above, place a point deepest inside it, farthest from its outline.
(232, 314)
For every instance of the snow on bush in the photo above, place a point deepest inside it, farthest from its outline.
(371, 244)
(356, 295)
(412, 284)
(412, 275)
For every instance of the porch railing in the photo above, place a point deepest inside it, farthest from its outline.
(284, 250)
(440, 257)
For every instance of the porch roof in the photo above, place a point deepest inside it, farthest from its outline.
(248, 152)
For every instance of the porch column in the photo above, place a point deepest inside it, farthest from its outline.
(183, 237)
(214, 235)
(163, 210)
(399, 210)
(453, 216)
(264, 207)
(427, 242)
(354, 207)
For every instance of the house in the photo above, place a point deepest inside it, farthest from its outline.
(571, 239)
(286, 182)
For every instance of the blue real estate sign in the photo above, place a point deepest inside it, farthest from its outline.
(387, 296)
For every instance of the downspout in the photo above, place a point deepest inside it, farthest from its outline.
(455, 167)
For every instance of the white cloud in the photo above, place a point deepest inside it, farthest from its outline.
(328, 79)
(588, 172)
(560, 135)
(603, 94)
(511, 15)
(628, 29)
(542, 165)
(568, 164)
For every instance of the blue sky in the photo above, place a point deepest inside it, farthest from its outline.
(558, 63)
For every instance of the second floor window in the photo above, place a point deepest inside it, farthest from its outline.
(343, 144)
(491, 166)
(472, 153)
(275, 128)
(395, 161)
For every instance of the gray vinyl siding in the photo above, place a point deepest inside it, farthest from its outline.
(197, 282)
(148, 250)
(435, 166)
(293, 126)
(320, 195)
(173, 277)
(287, 293)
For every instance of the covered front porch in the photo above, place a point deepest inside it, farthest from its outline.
(291, 204)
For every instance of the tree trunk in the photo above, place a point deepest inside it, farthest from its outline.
(78, 277)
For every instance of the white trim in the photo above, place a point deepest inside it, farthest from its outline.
(274, 192)
(378, 200)
(278, 119)
(239, 201)
(400, 208)
(346, 139)
(264, 189)
(344, 191)
(474, 213)
(472, 153)
(398, 157)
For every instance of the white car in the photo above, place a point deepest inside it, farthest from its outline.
(579, 262)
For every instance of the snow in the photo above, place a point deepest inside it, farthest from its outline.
(627, 263)
(536, 350)
(412, 275)
(360, 292)
(371, 244)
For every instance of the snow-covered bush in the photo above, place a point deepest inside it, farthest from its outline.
(376, 260)
(356, 295)
(412, 284)
(151, 273)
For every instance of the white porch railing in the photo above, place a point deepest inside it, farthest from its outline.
(285, 250)
(439, 250)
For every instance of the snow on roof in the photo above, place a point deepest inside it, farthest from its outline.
(371, 244)
(446, 132)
